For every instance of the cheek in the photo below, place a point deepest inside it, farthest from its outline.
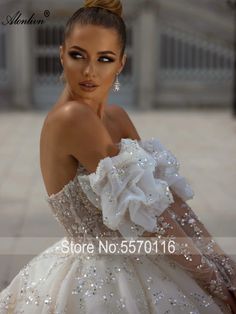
(72, 67)
(71, 70)
(108, 76)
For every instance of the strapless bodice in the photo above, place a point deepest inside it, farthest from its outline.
(72, 209)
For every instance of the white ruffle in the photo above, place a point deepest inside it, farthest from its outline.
(125, 188)
(167, 168)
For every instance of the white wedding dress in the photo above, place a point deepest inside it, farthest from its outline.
(128, 194)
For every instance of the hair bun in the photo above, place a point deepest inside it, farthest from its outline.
(115, 6)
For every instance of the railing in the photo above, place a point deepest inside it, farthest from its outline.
(190, 57)
(46, 54)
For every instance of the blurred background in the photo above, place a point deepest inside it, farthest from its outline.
(178, 85)
(180, 53)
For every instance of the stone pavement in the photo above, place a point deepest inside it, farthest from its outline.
(203, 141)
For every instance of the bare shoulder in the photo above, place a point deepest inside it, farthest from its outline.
(59, 119)
(127, 124)
(84, 136)
(69, 113)
(71, 117)
(76, 120)
(53, 144)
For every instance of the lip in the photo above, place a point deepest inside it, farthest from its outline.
(89, 82)
(88, 89)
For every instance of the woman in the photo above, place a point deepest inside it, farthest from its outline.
(104, 182)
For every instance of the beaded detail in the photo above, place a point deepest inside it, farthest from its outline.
(194, 228)
(59, 283)
(72, 209)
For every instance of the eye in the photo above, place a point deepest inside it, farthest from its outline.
(75, 54)
(107, 58)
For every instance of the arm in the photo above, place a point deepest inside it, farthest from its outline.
(168, 169)
(186, 224)
(190, 257)
(109, 180)
(195, 229)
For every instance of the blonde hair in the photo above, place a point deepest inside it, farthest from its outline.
(115, 6)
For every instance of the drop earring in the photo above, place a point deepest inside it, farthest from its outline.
(117, 84)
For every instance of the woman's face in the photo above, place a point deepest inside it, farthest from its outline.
(91, 53)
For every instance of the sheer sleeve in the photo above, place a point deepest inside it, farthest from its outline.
(167, 169)
(189, 257)
(133, 191)
(194, 228)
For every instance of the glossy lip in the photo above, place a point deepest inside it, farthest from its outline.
(88, 89)
(88, 82)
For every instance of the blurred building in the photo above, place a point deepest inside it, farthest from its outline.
(180, 53)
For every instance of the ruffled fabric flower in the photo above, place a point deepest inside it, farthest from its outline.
(129, 189)
(167, 167)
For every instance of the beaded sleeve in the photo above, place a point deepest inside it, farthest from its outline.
(184, 218)
(134, 190)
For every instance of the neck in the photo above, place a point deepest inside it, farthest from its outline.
(97, 106)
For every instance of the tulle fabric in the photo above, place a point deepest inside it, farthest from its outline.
(132, 188)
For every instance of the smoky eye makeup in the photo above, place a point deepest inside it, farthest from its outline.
(74, 54)
(108, 58)
(78, 55)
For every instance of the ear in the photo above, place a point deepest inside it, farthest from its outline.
(61, 54)
(123, 61)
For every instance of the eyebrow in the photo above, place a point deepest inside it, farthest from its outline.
(100, 52)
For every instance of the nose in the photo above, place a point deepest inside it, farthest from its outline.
(89, 69)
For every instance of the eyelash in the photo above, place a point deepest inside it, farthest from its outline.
(74, 53)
